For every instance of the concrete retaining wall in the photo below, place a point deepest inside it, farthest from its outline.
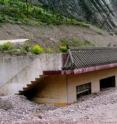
(17, 71)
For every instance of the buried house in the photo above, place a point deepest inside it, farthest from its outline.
(84, 71)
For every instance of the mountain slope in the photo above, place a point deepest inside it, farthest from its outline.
(40, 24)
(49, 36)
(99, 12)
(22, 12)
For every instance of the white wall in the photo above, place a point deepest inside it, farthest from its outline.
(17, 71)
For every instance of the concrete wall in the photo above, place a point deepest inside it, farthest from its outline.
(93, 77)
(17, 71)
(53, 91)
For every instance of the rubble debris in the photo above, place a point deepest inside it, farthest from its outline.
(91, 109)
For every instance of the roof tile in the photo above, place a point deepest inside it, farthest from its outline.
(81, 58)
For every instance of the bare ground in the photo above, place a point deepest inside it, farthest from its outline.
(51, 34)
(94, 109)
(98, 108)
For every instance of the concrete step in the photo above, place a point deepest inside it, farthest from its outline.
(20, 92)
(32, 84)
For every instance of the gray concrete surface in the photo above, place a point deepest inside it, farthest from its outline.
(17, 71)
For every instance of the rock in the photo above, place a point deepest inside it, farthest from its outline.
(5, 104)
(40, 117)
(18, 110)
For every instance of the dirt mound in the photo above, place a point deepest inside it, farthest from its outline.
(5, 105)
(98, 108)
(95, 109)
(17, 109)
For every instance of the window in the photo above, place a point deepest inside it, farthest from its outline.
(82, 90)
(107, 82)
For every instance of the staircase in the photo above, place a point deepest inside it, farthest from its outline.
(32, 89)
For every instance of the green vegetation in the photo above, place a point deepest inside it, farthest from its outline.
(63, 48)
(17, 49)
(7, 46)
(65, 44)
(76, 42)
(31, 48)
(37, 49)
(22, 12)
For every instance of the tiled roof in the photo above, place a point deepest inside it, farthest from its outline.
(81, 58)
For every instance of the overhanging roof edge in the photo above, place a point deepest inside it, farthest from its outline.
(80, 70)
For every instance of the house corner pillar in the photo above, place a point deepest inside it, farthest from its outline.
(115, 80)
(95, 86)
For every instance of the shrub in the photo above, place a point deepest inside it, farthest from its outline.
(37, 49)
(63, 48)
(6, 46)
(26, 46)
(64, 45)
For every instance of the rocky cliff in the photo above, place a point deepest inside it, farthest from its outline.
(100, 12)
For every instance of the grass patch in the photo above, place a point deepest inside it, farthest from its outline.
(17, 11)
(76, 42)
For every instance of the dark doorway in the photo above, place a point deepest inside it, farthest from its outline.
(107, 82)
(82, 90)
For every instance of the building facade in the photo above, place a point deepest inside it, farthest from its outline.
(63, 90)
(84, 71)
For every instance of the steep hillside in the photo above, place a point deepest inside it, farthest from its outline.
(47, 26)
(22, 12)
(49, 36)
(100, 12)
